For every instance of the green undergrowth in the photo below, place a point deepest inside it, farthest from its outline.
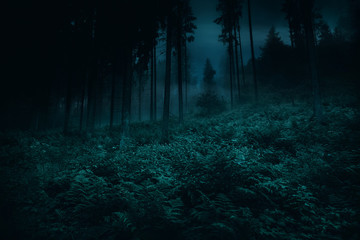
(251, 173)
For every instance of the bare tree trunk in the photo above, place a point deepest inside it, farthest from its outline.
(140, 90)
(152, 85)
(91, 108)
(241, 55)
(253, 54)
(231, 74)
(99, 98)
(310, 39)
(126, 96)
(166, 112)
(68, 101)
(179, 62)
(82, 104)
(112, 100)
(237, 63)
(186, 76)
(155, 87)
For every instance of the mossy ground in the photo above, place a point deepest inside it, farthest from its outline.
(265, 172)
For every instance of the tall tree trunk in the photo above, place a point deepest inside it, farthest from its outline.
(253, 54)
(99, 98)
(126, 95)
(155, 86)
(237, 62)
(140, 91)
(82, 104)
(112, 100)
(68, 101)
(179, 62)
(241, 55)
(310, 40)
(91, 108)
(231, 73)
(166, 112)
(186, 76)
(152, 85)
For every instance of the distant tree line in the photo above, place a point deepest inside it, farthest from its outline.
(315, 52)
(77, 61)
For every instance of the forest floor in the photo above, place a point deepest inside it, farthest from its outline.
(265, 172)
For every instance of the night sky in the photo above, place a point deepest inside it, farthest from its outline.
(265, 14)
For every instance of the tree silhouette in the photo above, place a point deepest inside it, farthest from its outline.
(179, 23)
(273, 44)
(209, 74)
(276, 66)
(230, 11)
(169, 42)
(252, 53)
(184, 30)
(307, 7)
(166, 111)
(241, 53)
(324, 34)
(293, 15)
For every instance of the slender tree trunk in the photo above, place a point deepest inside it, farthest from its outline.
(155, 86)
(152, 85)
(82, 104)
(233, 67)
(231, 73)
(68, 102)
(112, 99)
(126, 95)
(166, 112)
(91, 108)
(186, 76)
(140, 91)
(91, 113)
(179, 62)
(253, 54)
(237, 62)
(99, 98)
(241, 55)
(310, 40)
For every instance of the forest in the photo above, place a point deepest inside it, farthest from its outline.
(180, 119)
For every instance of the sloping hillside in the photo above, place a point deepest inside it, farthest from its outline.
(252, 173)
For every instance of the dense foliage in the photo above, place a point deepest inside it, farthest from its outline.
(209, 103)
(253, 173)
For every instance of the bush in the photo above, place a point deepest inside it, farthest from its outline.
(209, 104)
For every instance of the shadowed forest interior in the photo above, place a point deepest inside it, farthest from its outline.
(180, 119)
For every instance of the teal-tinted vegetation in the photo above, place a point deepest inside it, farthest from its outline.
(266, 172)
